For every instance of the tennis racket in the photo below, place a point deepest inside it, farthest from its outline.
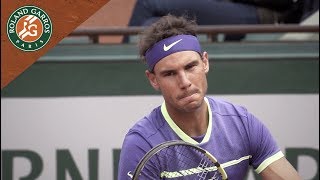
(178, 160)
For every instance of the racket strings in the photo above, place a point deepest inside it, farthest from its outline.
(203, 164)
(178, 162)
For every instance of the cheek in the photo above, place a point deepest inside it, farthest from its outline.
(198, 77)
(167, 87)
(201, 80)
(204, 84)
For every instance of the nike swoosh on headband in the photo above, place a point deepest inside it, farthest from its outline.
(167, 48)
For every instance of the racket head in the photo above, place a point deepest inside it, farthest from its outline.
(179, 160)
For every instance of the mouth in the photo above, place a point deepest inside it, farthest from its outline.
(187, 94)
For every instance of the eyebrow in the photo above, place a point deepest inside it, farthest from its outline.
(164, 72)
(194, 62)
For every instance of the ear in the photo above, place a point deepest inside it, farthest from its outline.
(152, 79)
(205, 60)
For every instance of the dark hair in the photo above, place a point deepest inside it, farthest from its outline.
(165, 27)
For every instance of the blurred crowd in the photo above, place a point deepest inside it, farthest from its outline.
(224, 12)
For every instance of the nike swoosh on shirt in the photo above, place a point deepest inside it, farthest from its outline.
(167, 48)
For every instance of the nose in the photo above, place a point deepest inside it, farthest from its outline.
(183, 80)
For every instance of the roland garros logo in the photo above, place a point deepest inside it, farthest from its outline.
(29, 28)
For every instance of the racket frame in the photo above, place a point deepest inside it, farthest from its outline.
(166, 144)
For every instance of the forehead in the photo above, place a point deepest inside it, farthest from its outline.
(175, 60)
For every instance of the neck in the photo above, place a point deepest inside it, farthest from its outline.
(193, 123)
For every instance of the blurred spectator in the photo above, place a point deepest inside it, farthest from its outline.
(223, 12)
(309, 7)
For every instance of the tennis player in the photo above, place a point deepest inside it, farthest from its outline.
(177, 67)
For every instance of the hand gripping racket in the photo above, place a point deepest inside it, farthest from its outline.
(179, 160)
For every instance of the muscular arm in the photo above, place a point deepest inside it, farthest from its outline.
(280, 170)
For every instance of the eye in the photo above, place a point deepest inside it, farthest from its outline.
(190, 66)
(168, 73)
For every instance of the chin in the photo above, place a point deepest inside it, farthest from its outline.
(192, 106)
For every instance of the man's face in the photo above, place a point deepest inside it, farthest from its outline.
(181, 78)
